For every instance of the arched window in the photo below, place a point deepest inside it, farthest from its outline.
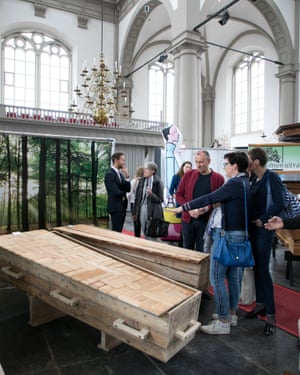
(249, 94)
(161, 92)
(35, 71)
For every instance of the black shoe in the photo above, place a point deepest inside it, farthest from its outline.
(257, 311)
(269, 329)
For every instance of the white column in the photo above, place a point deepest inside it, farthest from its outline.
(188, 99)
(287, 77)
(208, 112)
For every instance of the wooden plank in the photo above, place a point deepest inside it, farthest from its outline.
(186, 266)
(131, 242)
(41, 313)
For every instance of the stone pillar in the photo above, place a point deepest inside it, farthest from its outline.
(188, 98)
(287, 77)
(208, 96)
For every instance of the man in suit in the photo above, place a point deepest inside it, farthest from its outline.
(117, 185)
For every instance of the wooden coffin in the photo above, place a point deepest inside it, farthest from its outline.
(186, 266)
(147, 311)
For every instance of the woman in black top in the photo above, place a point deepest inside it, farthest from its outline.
(226, 280)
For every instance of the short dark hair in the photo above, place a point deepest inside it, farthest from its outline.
(116, 156)
(239, 158)
(258, 153)
(166, 132)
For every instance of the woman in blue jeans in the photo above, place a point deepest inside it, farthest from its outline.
(267, 200)
(232, 219)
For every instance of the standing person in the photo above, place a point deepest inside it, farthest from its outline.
(139, 173)
(117, 185)
(185, 167)
(267, 201)
(149, 197)
(232, 219)
(194, 184)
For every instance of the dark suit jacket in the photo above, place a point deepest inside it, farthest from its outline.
(116, 190)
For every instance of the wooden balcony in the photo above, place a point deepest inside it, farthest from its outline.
(53, 123)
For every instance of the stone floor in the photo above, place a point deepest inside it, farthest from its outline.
(67, 346)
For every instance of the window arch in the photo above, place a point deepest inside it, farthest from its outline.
(161, 92)
(36, 71)
(249, 93)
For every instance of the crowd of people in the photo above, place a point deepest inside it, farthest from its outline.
(248, 204)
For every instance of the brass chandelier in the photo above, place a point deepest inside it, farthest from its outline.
(101, 90)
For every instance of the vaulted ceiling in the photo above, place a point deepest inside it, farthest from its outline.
(113, 9)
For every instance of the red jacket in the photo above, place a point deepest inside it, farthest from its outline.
(187, 184)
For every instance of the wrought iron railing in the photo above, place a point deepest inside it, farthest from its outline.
(55, 116)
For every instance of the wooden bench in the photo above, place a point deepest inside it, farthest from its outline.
(291, 239)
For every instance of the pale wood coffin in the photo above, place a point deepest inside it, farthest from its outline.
(147, 311)
(186, 266)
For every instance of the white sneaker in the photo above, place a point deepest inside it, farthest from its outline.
(216, 328)
(233, 319)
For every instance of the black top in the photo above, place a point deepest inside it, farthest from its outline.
(231, 195)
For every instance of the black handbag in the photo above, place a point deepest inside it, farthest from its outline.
(156, 228)
(235, 254)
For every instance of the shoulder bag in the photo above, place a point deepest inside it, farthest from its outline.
(235, 254)
(156, 228)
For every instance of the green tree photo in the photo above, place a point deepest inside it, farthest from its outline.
(47, 182)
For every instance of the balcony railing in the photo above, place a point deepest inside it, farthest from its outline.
(11, 112)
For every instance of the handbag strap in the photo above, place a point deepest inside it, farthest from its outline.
(269, 195)
(245, 205)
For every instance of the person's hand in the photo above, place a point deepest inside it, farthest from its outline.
(198, 212)
(258, 223)
(177, 210)
(124, 171)
(194, 213)
(274, 223)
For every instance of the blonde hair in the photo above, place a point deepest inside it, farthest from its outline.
(139, 172)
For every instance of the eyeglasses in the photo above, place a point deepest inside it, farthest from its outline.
(225, 163)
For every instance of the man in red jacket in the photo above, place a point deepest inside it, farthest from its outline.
(193, 184)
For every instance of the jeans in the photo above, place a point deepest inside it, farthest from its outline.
(261, 240)
(226, 281)
(193, 233)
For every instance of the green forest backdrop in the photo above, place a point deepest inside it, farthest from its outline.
(47, 182)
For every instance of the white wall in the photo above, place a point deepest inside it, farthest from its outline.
(224, 89)
(85, 44)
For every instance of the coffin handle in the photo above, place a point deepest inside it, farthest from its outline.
(14, 274)
(66, 300)
(190, 331)
(122, 326)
